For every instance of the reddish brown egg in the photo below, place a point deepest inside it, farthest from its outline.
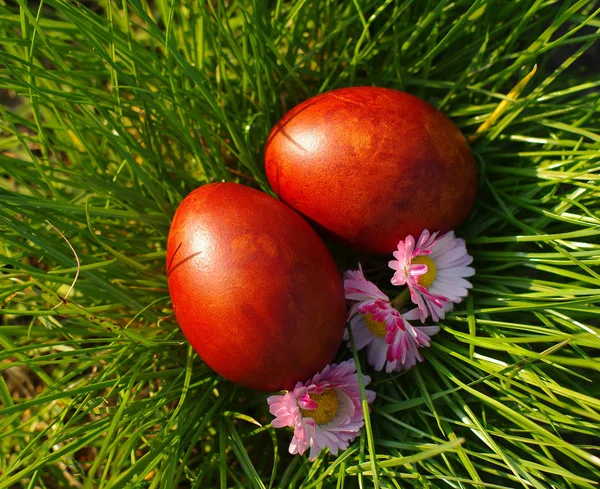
(254, 288)
(372, 165)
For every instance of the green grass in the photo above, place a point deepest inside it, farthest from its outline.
(113, 111)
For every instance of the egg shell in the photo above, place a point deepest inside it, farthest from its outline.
(372, 165)
(254, 288)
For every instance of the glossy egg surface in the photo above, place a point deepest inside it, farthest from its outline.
(371, 165)
(254, 288)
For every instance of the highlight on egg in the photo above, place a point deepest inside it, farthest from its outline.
(370, 166)
(254, 288)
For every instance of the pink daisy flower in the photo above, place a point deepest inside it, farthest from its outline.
(434, 269)
(325, 412)
(391, 341)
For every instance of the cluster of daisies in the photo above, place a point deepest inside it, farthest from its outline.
(326, 411)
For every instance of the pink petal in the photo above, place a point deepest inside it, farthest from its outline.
(409, 245)
(305, 402)
(399, 278)
(412, 315)
(418, 269)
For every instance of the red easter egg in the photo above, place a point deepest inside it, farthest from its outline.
(372, 165)
(254, 288)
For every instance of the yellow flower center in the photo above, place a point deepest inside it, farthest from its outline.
(375, 327)
(327, 407)
(427, 278)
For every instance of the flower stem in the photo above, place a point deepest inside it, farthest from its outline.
(401, 298)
